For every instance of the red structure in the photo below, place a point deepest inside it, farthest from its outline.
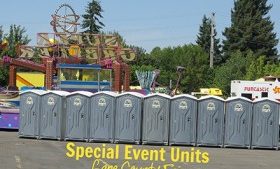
(12, 76)
(48, 67)
(14, 63)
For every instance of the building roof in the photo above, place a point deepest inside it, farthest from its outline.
(184, 95)
(85, 93)
(59, 92)
(79, 66)
(132, 93)
(236, 98)
(210, 97)
(35, 91)
(265, 99)
(110, 93)
(158, 94)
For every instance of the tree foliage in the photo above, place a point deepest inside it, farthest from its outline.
(235, 68)
(3, 72)
(16, 37)
(192, 57)
(251, 29)
(92, 19)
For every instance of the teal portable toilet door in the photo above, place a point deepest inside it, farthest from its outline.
(210, 121)
(238, 122)
(29, 103)
(183, 114)
(30, 107)
(156, 119)
(102, 115)
(77, 115)
(128, 118)
(265, 124)
(51, 110)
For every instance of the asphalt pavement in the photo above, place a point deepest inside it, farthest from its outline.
(19, 153)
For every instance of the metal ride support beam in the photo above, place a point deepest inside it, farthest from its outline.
(126, 80)
(27, 64)
(117, 86)
(49, 74)
(12, 76)
(1, 62)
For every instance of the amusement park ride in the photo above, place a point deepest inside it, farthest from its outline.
(65, 46)
(79, 61)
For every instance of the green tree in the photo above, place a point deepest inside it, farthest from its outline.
(235, 68)
(256, 69)
(92, 19)
(204, 40)
(192, 57)
(15, 38)
(3, 72)
(251, 28)
(272, 69)
(3, 43)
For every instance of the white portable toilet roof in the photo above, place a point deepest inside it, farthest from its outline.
(158, 94)
(210, 97)
(36, 91)
(265, 99)
(184, 95)
(85, 93)
(106, 92)
(59, 92)
(235, 98)
(132, 93)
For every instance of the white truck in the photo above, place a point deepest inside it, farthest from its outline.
(256, 89)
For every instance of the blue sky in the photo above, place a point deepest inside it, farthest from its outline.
(145, 23)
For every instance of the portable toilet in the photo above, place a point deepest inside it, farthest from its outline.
(128, 117)
(102, 116)
(210, 121)
(30, 108)
(238, 122)
(265, 129)
(53, 115)
(183, 116)
(156, 119)
(77, 115)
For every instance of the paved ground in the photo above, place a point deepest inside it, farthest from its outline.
(18, 153)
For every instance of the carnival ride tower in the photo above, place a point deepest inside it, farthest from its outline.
(67, 46)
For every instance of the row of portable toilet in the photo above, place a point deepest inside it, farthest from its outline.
(81, 116)
(153, 119)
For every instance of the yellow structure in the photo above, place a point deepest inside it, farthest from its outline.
(33, 79)
(74, 50)
(209, 91)
(135, 87)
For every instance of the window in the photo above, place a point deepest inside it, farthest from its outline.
(69, 74)
(90, 75)
(247, 95)
(264, 94)
(105, 75)
(79, 74)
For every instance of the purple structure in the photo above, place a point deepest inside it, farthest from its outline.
(9, 118)
(141, 91)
